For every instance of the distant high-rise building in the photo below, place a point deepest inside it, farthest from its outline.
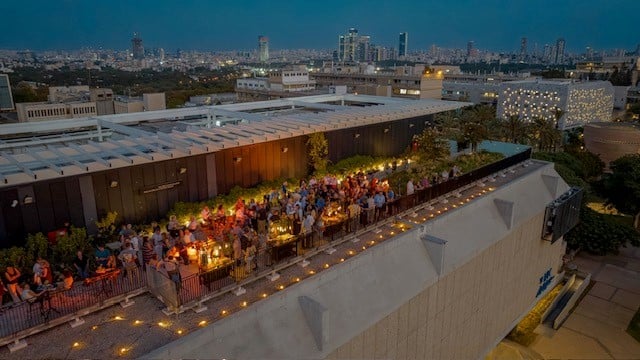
(523, 49)
(471, 50)
(559, 58)
(353, 47)
(6, 99)
(263, 48)
(137, 49)
(589, 53)
(161, 54)
(546, 54)
(403, 44)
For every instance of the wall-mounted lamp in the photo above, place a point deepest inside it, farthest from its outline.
(182, 170)
(285, 149)
(411, 125)
(113, 184)
(356, 136)
(386, 130)
(27, 200)
(237, 159)
(14, 203)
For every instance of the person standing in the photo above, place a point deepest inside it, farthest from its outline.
(12, 275)
(81, 264)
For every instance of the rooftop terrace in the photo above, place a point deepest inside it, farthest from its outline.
(141, 328)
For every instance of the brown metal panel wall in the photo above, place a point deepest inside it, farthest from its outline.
(100, 189)
(14, 227)
(113, 193)
(60, 203)
(171, 175)
(44, 205)
(212, 178)
(192, 178)
(183, 188)
(74, 198)
(270, 162)
(137, 205)
(125, 187)
(245, 167)
(89, 209)
(150, 201)
(201, 178)
(29, 211)
(162, 197)
(253, 162)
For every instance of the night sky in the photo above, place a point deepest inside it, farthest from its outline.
(235, 24)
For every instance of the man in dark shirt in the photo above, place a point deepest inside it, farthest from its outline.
(81, 264)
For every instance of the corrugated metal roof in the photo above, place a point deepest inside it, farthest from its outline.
(50, 149)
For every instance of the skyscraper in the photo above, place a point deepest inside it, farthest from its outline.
(403, 45)
(263, 48)
(559, 58)
(471, 51)
(353, 47)
(523, 49)
(137, 49)
(6, 99)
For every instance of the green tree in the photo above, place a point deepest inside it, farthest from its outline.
(432, 150)
(514, 130)
(544, 133)
(318, 147)
(622, 186)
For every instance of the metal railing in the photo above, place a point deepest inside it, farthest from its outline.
(57, 305)
(17, 320)
(269, 258)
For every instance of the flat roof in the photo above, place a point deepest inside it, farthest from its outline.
(50, 149)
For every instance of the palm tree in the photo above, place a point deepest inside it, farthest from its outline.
(514, 129)
(544, 132)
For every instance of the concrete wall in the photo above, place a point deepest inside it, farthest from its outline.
(400, 299)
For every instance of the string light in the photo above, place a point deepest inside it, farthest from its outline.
(280, 287)
(94, 327)
(297, 279)
(264, 295)
(162, 324)
(118, 318)
(76, 344)
(326, 266)
(311, 272)
(179, 332)
(137, 322)
(223, 312)
(202, 323)
(244, 304)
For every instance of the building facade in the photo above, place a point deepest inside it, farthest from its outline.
(450, 288)
(353, 47)
(263, 48)
(612, 140)
(578, 102)
(403, 44)
(6, 98)
(41, 111)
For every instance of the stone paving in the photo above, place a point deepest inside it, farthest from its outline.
(596, 328)
(143, 327)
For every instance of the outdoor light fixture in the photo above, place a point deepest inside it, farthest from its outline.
(285, 149)
(356, 136)
(386, 130)
(182, 170)
(237, 159)
(14, 203)
(27, 200)
(113, 184)
(411, 125)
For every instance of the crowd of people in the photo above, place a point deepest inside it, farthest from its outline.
(305, 209)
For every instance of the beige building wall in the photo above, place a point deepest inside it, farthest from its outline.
(462, 315)
(154, 101)
(124, 107)
(28, 112)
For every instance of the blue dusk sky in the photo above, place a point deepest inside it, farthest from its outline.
(225, 25)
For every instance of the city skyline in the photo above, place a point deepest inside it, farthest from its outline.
(71, 24)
